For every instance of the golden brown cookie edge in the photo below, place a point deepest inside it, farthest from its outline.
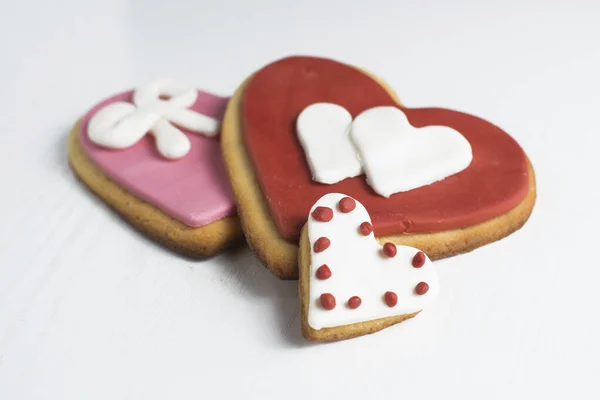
(200, 242)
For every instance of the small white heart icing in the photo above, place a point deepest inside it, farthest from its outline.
(398, 157)
(323, 131)
(381, 142)
(360, 268)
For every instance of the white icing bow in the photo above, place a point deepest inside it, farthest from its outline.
(394, 155)
(122, 124)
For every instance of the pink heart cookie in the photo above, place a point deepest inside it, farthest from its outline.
(191, 192)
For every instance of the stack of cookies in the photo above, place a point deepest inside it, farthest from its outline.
(330, 179)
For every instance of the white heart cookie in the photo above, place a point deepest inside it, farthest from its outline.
(398, 157)
(323, 131)
(352, 277)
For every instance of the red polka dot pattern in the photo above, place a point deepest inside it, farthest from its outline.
(421, 288)
(391, 299)
(389, 249)
(347, 204)
(418, 260)
(354, 302)
(323, 214)
(323, 272)
(327, 301)
(366, 228)
(321, 244)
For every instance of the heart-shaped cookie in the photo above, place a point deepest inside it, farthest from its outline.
(350, 284)
(273, 183)
(186, 203)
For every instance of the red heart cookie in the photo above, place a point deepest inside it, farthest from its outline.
(259, 135)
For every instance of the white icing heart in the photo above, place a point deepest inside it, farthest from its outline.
(121, 124)
(359, 267)
(395, 156)
(323, 131)
(398, 157)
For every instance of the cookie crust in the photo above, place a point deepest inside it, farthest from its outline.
(200, 242)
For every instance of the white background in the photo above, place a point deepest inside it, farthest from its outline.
(90, 309)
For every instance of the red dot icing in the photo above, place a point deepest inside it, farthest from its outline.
(354, 302)
(321, 244)
(347, 204)
(366, 228)
(421, 288)
(323, 272)
(327, 301)
(391, 299)
(390, 249)
(418, 260)
(323, 214)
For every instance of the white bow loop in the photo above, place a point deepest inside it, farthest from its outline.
(159, 108)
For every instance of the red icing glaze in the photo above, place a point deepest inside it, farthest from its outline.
(347, 204)
(418, 260)
(321, 244)
(391, 299)
(323, 214)
(323, 272)
(421, 288)
(366, 228)
(390, 250)
(495, 182)
(327, 301)
(354, 302)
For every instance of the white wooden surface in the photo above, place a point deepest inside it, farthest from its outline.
(90, 309)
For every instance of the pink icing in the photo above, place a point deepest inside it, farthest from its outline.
(194, 189)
